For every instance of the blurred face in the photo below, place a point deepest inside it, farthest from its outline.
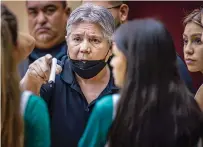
(119, 11)
(193, 47)
(87, 42)
(113, 9)
(47, 22)
(119, 64)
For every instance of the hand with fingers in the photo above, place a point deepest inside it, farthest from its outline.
(38, 73)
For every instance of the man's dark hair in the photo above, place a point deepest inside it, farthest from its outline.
(155, 107)
(64, 3)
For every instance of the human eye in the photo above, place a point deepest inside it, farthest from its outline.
(77, 39)
(185, 41)
(95, 40)
(32, 12)
(50, 10)
(197, 41)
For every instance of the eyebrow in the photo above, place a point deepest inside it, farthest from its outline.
(78, 34)
(195, 34)
(44, 7)
(32, 8)
(116, 6)
(49, 5)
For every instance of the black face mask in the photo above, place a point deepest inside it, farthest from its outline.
(87, 68)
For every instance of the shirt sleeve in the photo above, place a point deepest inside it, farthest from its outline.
(37, 127)
(46, 92)
(98, 125)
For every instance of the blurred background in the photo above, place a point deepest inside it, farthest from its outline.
(170, 13)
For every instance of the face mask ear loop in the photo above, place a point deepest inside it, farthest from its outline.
(107, 52)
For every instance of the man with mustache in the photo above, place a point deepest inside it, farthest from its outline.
(47, 23)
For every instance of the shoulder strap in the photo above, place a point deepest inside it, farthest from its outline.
(115, 98)
(24, 99)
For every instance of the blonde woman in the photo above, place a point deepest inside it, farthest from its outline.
(193, 47)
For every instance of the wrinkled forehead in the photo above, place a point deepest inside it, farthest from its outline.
(87, 28)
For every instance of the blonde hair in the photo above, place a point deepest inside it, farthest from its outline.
(194, 16)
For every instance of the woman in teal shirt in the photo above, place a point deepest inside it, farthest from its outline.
(24, 119)
(36, 121)
(155, 108)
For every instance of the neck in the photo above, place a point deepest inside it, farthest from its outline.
(48, 45)
(102, 76)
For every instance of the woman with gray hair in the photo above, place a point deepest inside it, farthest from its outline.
(85, 78)
(89, 31)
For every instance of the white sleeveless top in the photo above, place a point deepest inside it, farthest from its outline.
(24, 100)
(115, 99)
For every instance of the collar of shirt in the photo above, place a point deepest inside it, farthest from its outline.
(57, 51)
(68, 77)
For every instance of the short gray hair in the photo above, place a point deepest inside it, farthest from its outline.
(94, 14)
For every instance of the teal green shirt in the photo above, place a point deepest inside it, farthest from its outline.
(95, 134)
(36, 122)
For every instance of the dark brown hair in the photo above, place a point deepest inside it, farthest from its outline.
(155, 107)
(11, 119)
